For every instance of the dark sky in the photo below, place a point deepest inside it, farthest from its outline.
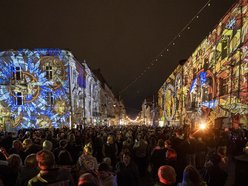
(121, 37)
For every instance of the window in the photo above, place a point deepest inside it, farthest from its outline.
(224, 51)
(205, 96)
(49, 99)
(49, 72)
(223, 86)
(17, 73)
(19, 98)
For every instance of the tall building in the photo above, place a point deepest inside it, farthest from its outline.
(212, 83)
(40, 88)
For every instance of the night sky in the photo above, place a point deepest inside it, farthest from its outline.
(122, 38)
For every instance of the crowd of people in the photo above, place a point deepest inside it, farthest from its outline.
(119, 155)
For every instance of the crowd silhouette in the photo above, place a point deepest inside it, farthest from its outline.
(123, 156)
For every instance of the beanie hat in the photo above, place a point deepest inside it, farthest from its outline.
(167, 174)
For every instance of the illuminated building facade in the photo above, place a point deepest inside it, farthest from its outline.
(111, 109)
(213, 82)
(40, 88)
(92, 97)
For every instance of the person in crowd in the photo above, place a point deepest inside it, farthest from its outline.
(89, 179)
(167, 176)
(201, 153)
(222, 152)
(190, 149)
(213, 174)
(119, 142)
(9, 172)
(110, 149)
(178, 144)
(128, 143)
(7, 140)
(64, 158)
(191, 177)
(140, 153)
(86, 162)
(17, 148)
(241, 167)
(107, 160)
(48, 174)
(157, 158)
(47, 145)
(171, 159)
(28, 171)
(30, 147)
(72, 147)
(98, 143)
(127, 171)
(107, 177)
(62, 146)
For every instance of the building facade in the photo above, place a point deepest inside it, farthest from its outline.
(213, 82)
(92, 97)
(35, 88)
(46, 88)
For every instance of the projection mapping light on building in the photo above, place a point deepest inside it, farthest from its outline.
(34, 88)
(212, 83)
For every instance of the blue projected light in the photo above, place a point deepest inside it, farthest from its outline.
(34, 87)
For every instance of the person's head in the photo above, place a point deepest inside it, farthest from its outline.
(191, 176)
(167, 144)
(107, 160)
(30, 161)
(72, 138)
(110, 139)
(64, 158)
(160, 143)
(167, 175)
(171, 155)
(126, 157)
(27, 143)
(63, 143)
(47, 145)
(88, 149)
(45, 159)
(89, 179)
(17, 144)
(104, 170)
(14, 161)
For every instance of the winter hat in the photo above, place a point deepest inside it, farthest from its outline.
(167, 174)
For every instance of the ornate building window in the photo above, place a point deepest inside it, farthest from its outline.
(223, 86)
(225, 45)
(19, 98)
(50, 99)
(17, 73)
(49, 72)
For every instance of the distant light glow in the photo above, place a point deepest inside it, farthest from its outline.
(202, 126)
(161, 123)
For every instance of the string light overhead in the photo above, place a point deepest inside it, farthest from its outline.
(166, 49)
